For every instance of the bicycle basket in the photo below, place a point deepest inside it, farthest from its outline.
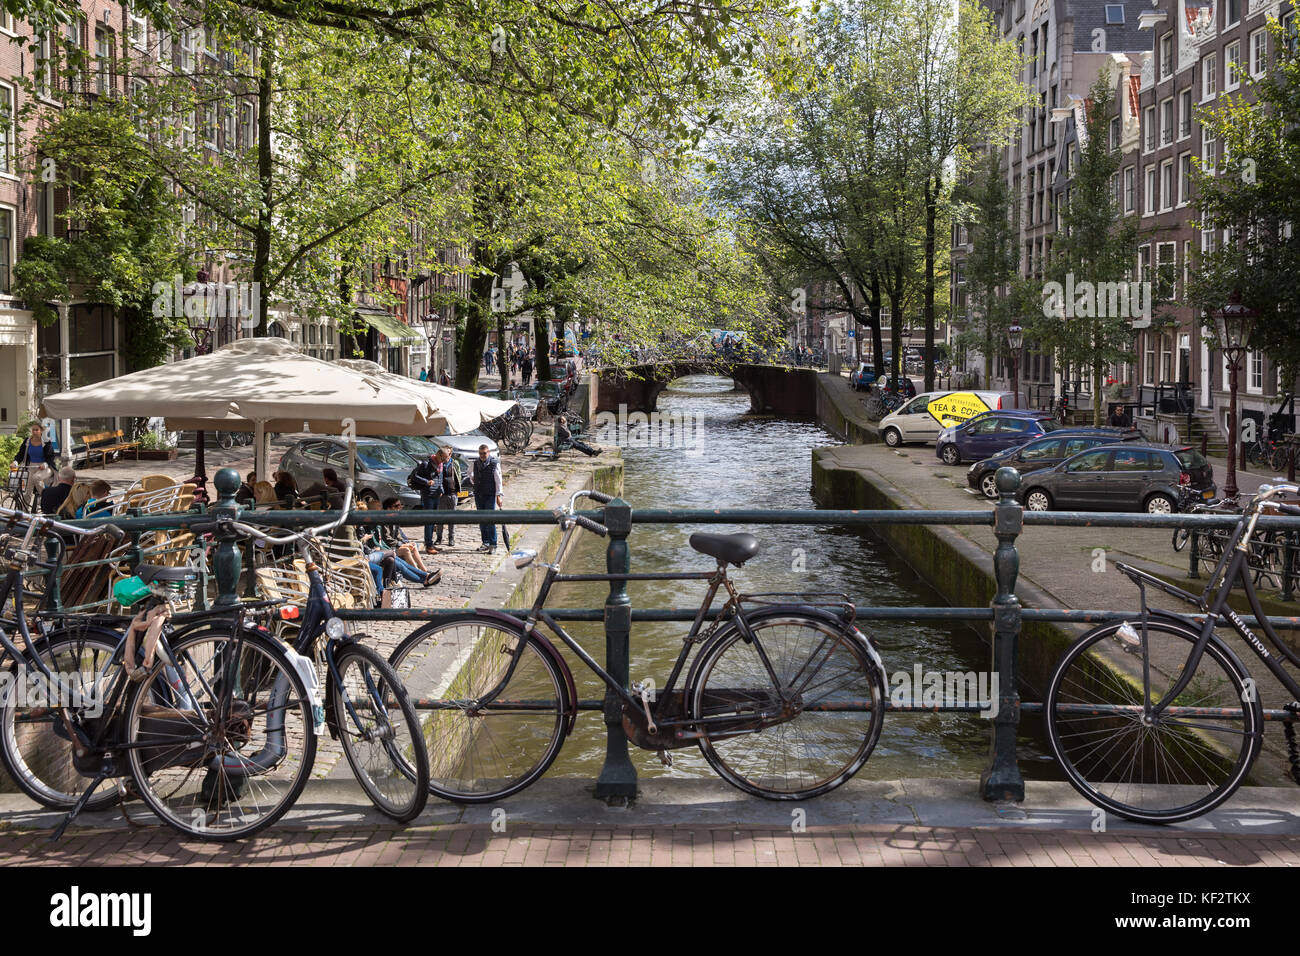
(17, 479)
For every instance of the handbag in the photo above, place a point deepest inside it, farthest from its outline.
(396, 598)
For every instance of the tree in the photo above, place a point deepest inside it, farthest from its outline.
(992, 264)
(1092, 253)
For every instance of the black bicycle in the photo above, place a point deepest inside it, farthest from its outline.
(1156, 719)
(784, 697)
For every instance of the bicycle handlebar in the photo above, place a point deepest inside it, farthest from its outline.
(253, 531)
(590, 525)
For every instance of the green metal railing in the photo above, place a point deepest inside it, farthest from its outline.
(1001, 779)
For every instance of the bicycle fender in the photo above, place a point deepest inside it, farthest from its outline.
(508, 622)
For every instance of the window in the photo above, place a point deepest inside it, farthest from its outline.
(1041, 449)
(1149, 199)
(187, 129)
(1209, 149)
(137, 29)
(1231, 12)
(1114, 14)
(1209, 77)
(1149, 128)
(187, 50)
(1255, 372)
(1187, 263)
(45, 208)
(164, 48)
(1185, 113)
(1167, 185)
(44, 65)
(140, 106)
(1144, 263)
(1089, 461)
(1166, 271)
(7, 22)
(1114, 133)
(1166, 56)
(1209, 241)
(1128, 189)
(1184, 178)
(229, 122)
(1290, 32)
(1258, 53)
(6, 129)
(1232, 65)
(6, 248)
(1167, 121)
(103, 61)
(210, 127)
(246, 125)
(1131, 460)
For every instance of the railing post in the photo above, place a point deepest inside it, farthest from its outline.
(1002, 779)
(1194, 562)
(618, 776)
(225, 563)
(1288, 560)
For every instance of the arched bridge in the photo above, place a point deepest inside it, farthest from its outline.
(772, 389)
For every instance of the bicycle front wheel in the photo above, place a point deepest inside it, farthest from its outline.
(798, 739)
(1151, 768)
(37, 755)
(482, 749)
(227, 749)
(380, 732)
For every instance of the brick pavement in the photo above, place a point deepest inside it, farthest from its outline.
(694, 845)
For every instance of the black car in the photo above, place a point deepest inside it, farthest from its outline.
(1132, 476)
(1046, 452)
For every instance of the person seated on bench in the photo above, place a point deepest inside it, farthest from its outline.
(246, 495)
(37, 455)
(286, 489)
(99, 503)
(52, 498)
(564, 439)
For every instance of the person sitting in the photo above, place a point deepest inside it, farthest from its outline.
(286, 489)
(564, 439)
(52, 498)
(246, 495)
(394, 537)
(99, 504)
(385, 565)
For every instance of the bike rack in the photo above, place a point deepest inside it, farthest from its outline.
(1001, 780)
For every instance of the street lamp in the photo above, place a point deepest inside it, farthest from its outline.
(1016, 342)
(904, 342)
(201, 325)
(1232, 326)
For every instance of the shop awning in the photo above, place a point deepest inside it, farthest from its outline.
(390, 326)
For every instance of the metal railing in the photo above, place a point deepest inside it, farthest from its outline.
(1001, 780)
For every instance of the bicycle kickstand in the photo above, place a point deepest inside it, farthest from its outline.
(79, 805)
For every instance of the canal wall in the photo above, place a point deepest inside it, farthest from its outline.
(839, 409)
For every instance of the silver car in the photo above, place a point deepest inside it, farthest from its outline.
(382, 467)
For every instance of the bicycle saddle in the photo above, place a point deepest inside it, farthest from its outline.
(149, 573)
(732, 548)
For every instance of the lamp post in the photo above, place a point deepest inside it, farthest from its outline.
(904, 342)
(1016, 342)
(1232, 326)
(201, 326)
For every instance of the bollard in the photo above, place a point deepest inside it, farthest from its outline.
(618, 776)
(1194, 559)
(225, 563)
(1002, 779)
(1288, 566)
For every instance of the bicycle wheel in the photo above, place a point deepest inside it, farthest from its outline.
(812, 750)
(228, 750)
(480, 750)
(1181, 537)
(37, 756)
(1277, 461)
(380, 733)
(1153, 770)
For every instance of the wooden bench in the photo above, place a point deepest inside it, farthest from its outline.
(107, 443)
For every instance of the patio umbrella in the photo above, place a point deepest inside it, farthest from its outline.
(454, 410)
(251, 383)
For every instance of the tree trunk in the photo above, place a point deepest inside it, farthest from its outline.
(542, 338)
(931, 215)
(504, 348)
(877, 346)
(469, 352)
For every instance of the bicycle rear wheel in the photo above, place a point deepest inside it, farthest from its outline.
(380, 732)
(36, 755)
(1159, 769)
(482, 750)
(227, 751)
(831, 692)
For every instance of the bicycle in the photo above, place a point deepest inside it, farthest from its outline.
(1167, 728)
(15, 495)
(881, 402)
(784, 698)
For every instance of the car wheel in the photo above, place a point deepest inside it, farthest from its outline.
(989, 485)
(368, 496)
(1160, 504)
(893, 438)
(1038, 500)
(951, 455)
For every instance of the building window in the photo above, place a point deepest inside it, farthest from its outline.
(210, 127)
(1255, 372)
(6, 248)
(1209, 150)
(1144, 263)
(1149, 199)
(137, 29)
(1232, 65)
(45, 209)
(45, 65)
(228, 123)
(1166, 185)
(1166, 56)
(103, 61)
(1167, 121)
(1209, 77)
(1290, 32)
(1231, 12)
(1187, 263)
(1258, 52)
(1185, 113)
(7, 129)
(1166, 271)
(187, 129)
(1149, 128)
(1128, 189)
(1114, 14)
(1184, 178)
(246, 125)
(1114, 133)
(188, 39)
(164, 49)
(1209, 241)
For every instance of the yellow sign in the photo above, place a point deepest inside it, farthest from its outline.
(955, 407)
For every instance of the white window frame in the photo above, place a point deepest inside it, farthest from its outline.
(1165, 63)
(1257, 47)
(188, 58)
(1209, 150)
(12, 246)
(1185, 111)
(9, 149)
(103, 65)
(1150, 185)
(1168, 186)
(1167, 135)
(1209, 77)
(137, 28)
(247, 117)
(1232, 66)
(166, 44)
(1130, 188)
(1187, 263)
(1150, 135)
(7, 23)
(1227, 12)
(1184, 181)
(1255, 373)
(1172, 249)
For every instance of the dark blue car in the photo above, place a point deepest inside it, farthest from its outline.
(988, 433)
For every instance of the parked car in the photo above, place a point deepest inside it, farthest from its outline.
(421, 446)
(862, 376)
(926, 416)
(988, 433)
(1046, 452)
(1132, 476)
(382, 467)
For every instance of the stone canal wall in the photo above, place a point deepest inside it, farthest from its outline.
(840, 411)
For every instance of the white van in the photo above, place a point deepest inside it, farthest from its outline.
(923, 417)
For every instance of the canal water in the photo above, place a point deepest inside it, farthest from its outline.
(744, 461)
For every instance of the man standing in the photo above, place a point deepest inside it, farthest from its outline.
(487, 494)
(449, 494)
(426, 478)
(526, 368)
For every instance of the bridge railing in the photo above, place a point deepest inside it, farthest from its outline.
(1001, 779)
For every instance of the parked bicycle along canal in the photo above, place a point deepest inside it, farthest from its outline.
(744, 461)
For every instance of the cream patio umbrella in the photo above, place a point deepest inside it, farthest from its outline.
(454, 410)
(257, 384)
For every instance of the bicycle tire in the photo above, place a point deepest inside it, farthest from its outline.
(394, 772)
(477, 755)
(1078, 734)
(1181, 537)
(812, 752)
(1277, 461)
(201, 787)
(36, 757)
